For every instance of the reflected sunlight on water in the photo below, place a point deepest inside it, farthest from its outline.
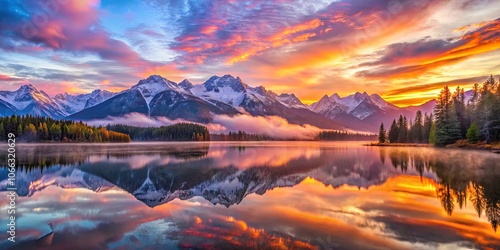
(274, 195)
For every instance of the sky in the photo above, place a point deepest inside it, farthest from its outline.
(404, 50)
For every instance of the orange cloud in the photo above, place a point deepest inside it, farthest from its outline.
(208, 30)
(164, 70)
(8, 78)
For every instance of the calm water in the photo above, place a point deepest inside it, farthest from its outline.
(266, 195)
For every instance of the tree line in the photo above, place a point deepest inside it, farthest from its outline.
(477, 119)
(240, 136)
(344, 136)
(30, 128)
(175, 132)
(403, 131)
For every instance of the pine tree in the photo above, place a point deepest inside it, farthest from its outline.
(460, 110)
(432, 134)
(393, 132)
(418, 128)
(382, 134)
(403, 128)
(20, 130)
(447, 125)
(485, 116)
(473, 133)
(427, 127)
(410, 131)
(2, 132)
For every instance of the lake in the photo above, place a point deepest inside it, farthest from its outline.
(252, 195)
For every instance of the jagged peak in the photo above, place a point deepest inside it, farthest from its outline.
(186, 84)
(155, 77)
(157, 80)
(325, 98)
(62, 95)
(215, 82)
(97, 91)
(28, 87)
(335, 95)
(229, 76)
(288, 95)
(359, 96)
(66, 95)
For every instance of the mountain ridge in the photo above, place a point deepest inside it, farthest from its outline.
(219, 95)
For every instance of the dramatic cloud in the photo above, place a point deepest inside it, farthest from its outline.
(306, 47)
(426, 55)
(41, 25)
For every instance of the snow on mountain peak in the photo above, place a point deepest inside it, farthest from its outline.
(27, 88)
(352, 101)
(325, 98)
(335, 97)
(359, 105)
(360, 96)
(71, 104)
(63, 96)
(260, 90)
(186, 84)
(226, 89)
(381, 103)
(291, 101)
(322, 105)
(26, 96)
(154, 85)
(215, 83)
(156, 80)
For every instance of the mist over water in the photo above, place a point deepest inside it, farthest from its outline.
(274, 126)
(255, 195)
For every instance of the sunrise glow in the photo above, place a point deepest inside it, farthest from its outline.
(403, 50)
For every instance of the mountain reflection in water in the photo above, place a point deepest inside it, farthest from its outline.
(309, 195)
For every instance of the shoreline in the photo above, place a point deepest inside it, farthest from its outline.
(416, 145)
(494, 148)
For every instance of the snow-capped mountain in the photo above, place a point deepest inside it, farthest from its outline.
(154, 85)
(291, 101)
(29, 100)
(359, 105)
(157, 96)
(364, 111)
(224, 89)
(6, 109)
(226, 95)
(71, 104)
(186, 84)
(258, 101)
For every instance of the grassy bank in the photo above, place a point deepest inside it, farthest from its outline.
(377, 144)
(480, 146)
(462, 144)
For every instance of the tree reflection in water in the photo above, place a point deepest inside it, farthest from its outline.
(461, 178)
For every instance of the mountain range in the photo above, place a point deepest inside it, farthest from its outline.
(157, 96)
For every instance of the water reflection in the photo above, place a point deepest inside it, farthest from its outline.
(344, 196)
(462, 177)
